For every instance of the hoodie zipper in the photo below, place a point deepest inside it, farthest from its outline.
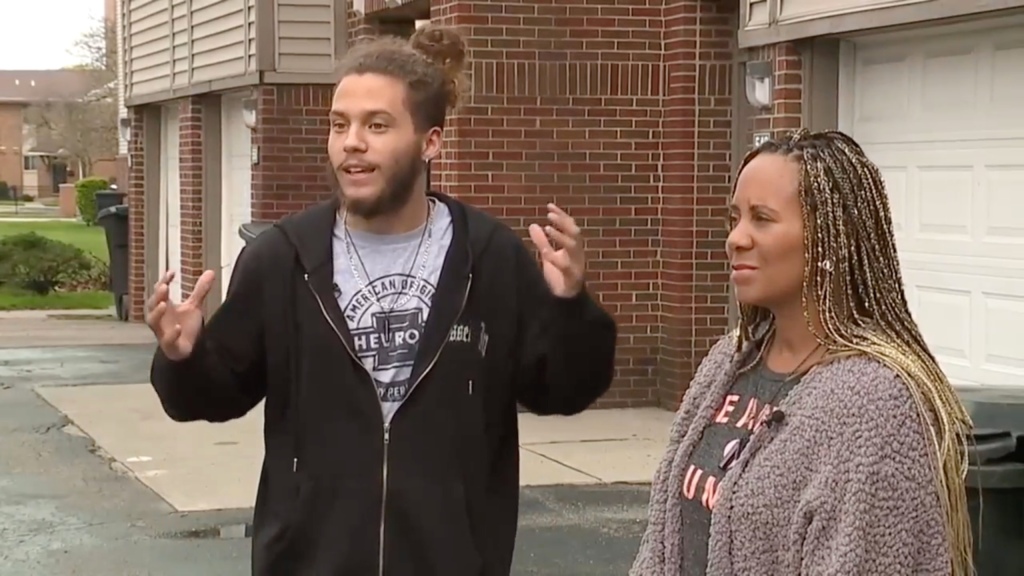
(387, 425)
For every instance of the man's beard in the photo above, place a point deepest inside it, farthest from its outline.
(398, 188)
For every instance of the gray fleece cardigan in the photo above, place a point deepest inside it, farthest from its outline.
(843, 487)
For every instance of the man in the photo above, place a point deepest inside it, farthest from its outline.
(392, 333)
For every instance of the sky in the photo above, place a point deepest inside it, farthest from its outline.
(40, 34)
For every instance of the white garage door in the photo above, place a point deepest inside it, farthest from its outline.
(941, 115)
(170, 198)
(236, 185)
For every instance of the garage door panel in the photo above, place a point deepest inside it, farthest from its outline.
(943, 314)
(994, 268)
(968, 322)
(236, 207)
(1004, 314)
(1008, 75)
(1004, 217)
(170, 199)
(896, 180)
(962, 201)
(956, 87)
(940, 116)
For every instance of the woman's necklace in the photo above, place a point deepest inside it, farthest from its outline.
(735, 448)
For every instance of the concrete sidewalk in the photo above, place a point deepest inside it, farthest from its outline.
(202, 466)
(38, 329)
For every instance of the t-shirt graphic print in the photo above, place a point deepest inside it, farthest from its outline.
(386, 339)
(743, 410)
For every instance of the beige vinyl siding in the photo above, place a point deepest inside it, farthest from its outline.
(172, 44)
(122, 112)
(305, 35)
(758, 14)
(220, 34)
(147, 46)
(802, 10)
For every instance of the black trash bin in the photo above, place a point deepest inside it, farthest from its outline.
(250, 230)
(107, 199)
(995, 479)
(114, 220)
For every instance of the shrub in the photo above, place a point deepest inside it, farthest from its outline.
(43, 265)
(85, 197)
(94, 276)
(5, 190)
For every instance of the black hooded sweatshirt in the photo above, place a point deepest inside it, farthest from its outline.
(436, 493)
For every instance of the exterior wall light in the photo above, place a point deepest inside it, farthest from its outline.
(758, 81)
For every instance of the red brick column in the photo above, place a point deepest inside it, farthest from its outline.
(136, 199)
(699, 39)
(291, 137)
(191, 161)
(359, 26)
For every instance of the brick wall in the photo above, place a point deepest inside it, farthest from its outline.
(291, 138)
(786, 112)
(136, 199)
(290, 174)
(190, 158)
(565, 106)
(190, 137)
(699, 50)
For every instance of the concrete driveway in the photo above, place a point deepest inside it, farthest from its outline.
(76, 429)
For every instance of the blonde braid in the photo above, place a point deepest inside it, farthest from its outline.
(852, 274)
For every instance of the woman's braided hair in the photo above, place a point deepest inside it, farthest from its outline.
(852, 273)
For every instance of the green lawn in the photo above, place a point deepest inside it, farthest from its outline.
(92, 239)
(14, 299)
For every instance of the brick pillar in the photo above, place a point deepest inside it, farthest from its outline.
(190, 133)
(136, 199)
(291, 137)
(566, 107)
(359, 26)
(699, 48)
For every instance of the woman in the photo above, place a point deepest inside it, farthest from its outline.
(821, 438)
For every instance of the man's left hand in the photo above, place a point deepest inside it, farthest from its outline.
(561, 250)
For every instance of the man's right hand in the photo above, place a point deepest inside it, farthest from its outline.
(177, 326)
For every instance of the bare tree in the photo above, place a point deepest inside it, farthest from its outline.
(82, 122)
(97, 48)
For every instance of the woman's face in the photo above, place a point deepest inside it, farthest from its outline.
(766, 240)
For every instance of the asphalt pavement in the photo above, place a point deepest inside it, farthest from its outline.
(68, 509)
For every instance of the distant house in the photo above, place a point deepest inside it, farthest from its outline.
(30, 161)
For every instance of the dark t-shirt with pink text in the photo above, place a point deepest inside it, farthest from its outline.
(752, 397)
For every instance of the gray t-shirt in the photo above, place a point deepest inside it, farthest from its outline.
(385, 306)
(751, 398)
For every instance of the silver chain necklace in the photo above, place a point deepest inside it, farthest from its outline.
(425, 239)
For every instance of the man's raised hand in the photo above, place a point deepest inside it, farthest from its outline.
(177, 326)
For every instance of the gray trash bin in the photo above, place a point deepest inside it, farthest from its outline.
(114, 220)
(995, 479)
(108, 199)
(250, 230)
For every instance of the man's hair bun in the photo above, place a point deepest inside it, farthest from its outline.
(446, 48)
